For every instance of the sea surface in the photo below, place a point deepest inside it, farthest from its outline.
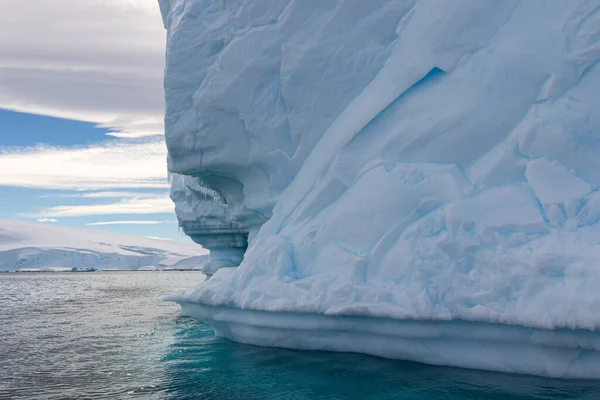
(108, 335)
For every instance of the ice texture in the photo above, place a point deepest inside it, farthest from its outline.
(206, 218)
(433, 164)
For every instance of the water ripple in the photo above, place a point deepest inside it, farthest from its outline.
(109, 336)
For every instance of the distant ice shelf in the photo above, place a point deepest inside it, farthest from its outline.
(420, 166)
(28, 246)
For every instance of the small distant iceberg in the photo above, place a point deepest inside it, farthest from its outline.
(148, 268)
(83, 269)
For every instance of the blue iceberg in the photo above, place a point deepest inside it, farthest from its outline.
(413, 179)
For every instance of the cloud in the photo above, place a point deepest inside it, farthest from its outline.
(147, 205)
(129, 223)
(47, 220)
(95, 60)
(108, 194)
(116, 164)
(102, 195)
(99, 61)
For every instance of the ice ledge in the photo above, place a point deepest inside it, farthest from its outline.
(573, 354)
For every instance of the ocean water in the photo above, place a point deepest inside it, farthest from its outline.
(108, 335)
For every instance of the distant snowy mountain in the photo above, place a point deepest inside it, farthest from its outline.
(27, 245)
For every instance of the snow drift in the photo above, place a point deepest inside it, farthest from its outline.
(416, 179)
(27, 245)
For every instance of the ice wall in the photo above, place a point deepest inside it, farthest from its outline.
(418, 160)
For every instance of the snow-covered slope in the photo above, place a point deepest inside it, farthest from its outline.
(417, 178)
(27, 245)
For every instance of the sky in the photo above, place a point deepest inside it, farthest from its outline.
(81, 111)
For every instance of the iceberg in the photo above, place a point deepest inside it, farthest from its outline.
(413, 179)
(83, 269)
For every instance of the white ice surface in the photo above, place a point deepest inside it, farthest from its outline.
(27, 245)
(425, 160)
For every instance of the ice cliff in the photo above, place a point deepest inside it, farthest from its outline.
(415, 179)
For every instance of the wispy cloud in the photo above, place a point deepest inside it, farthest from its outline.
(129, 223)
(117, 164)
(47, 220)
(95, 60)
(149, 205)
(102, 195)
(99, 61)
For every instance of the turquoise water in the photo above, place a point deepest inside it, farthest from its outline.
(109, 336)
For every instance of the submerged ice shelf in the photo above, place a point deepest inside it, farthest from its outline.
(477, 345)
(415, 165)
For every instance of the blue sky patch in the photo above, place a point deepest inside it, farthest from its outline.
(22, 129)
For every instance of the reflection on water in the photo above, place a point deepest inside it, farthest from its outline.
(109, 336)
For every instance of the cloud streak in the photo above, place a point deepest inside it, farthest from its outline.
(99, 61)
(152, 205)
(113, 165)
(147, 222)
(103, 195)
